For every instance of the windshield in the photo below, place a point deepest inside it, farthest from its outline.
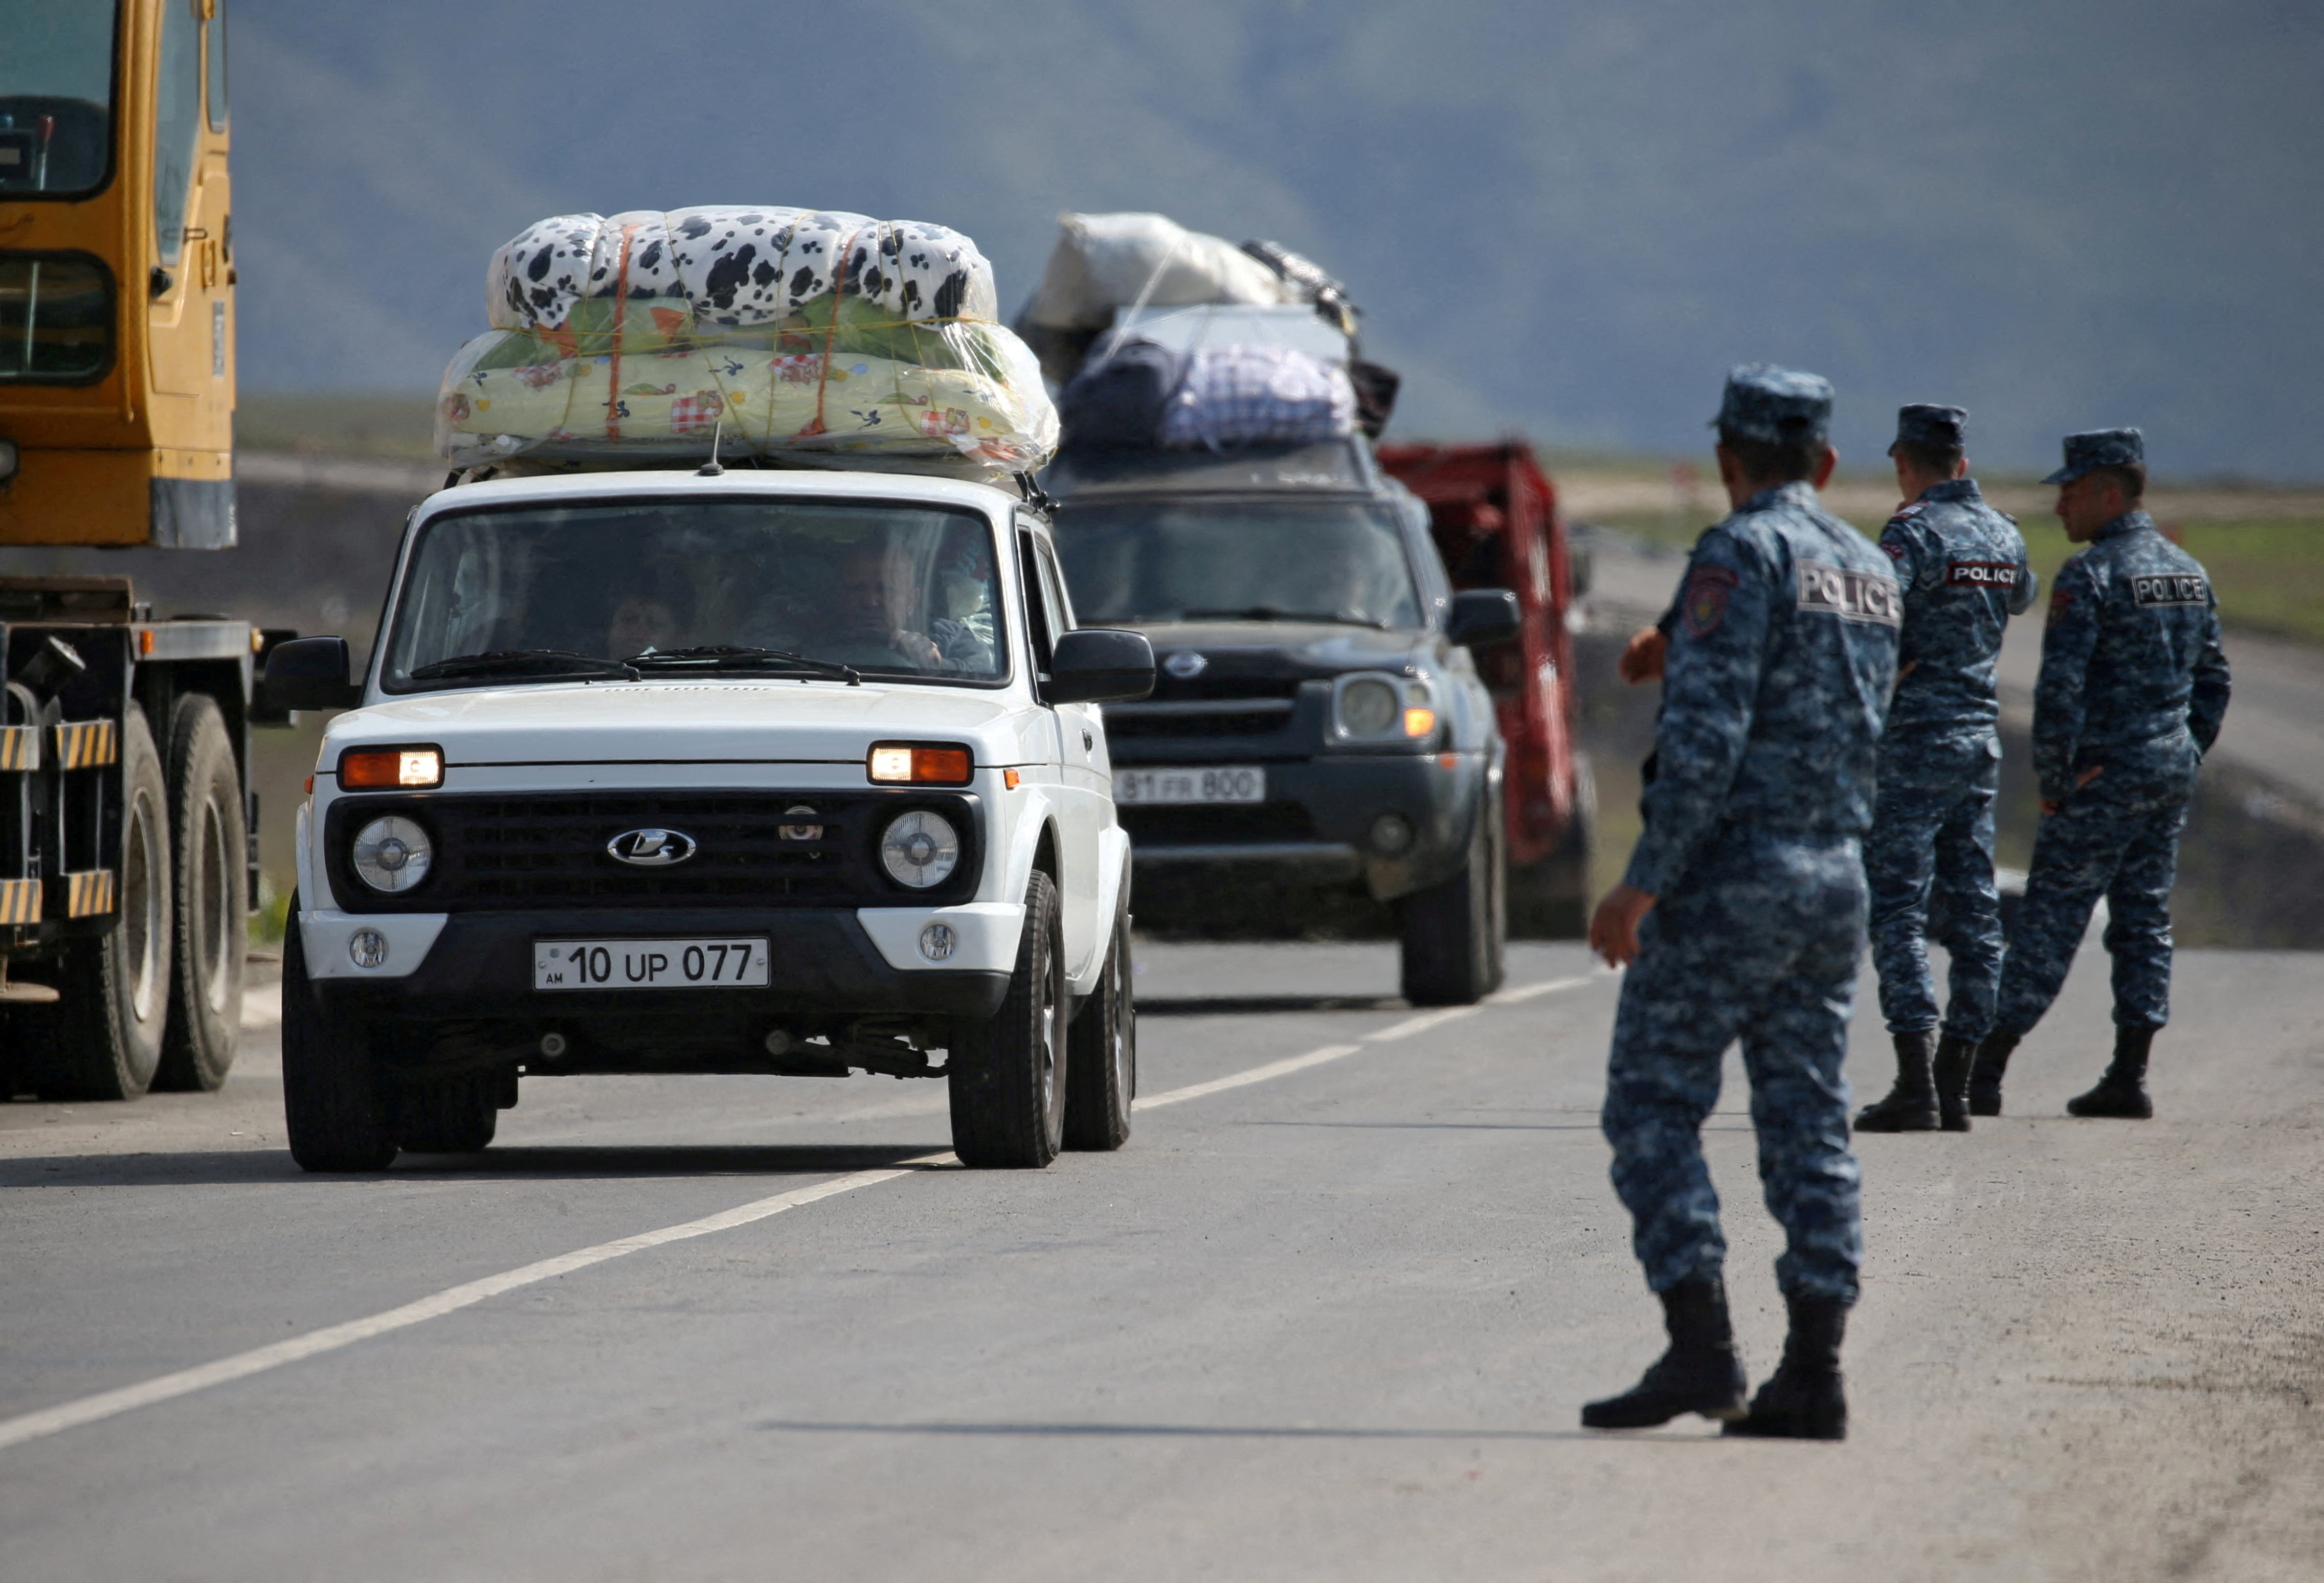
(883, 589)
(1170, 560)
(56, 96)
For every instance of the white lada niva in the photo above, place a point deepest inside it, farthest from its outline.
(786, 772)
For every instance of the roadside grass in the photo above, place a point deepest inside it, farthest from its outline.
(2269, 574)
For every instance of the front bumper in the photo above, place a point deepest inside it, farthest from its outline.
(1318, 821)
(823, 963)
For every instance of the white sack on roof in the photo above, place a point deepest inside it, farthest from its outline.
(1105, 261)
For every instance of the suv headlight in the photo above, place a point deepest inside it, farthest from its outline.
(1383, 708)
(391, 853)
(920, 848)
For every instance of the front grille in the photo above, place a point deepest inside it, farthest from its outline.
(1126, 720)
(1211, 686)
(1263, 822)
(536, 851)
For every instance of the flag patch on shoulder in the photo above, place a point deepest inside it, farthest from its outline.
(1706, 599)
(1854, 596)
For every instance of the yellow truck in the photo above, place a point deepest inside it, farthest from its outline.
(126, 864)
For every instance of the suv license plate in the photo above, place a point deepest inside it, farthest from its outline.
(649, 964)
(1223, 783)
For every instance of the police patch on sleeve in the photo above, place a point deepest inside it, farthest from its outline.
(1854, 596)
(1705, 602)
(1999, 575)
(2170, 588)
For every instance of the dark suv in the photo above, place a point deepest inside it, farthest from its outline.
(1318, 732)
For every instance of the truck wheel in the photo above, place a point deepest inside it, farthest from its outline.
(1550, 899)
(455, 1114)
(1453, 930)
(102, 1039)
(1007, 1076)
(331, 1101)
(1101, 1054)
(209, 898)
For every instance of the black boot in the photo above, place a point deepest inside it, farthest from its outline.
(1803, 1400)
(1699, 1373)
(2122, 1091)
(1955, 1056)
(1985, 1077)
(1912, 1105)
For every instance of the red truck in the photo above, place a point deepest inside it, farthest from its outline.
(1493, 513)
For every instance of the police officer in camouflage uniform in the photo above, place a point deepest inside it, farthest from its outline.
(2133, 689)
(1962, 567)
(1742, 914)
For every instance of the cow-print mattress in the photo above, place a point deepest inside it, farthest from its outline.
(734, 266)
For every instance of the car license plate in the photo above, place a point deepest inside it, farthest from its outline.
(649, 964)
(1223, 783)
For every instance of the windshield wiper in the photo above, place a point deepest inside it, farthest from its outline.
(538, 662)
(722, 656)
(1270, 612)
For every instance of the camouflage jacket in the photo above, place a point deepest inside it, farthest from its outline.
(1962, 567)
(1781, 657)
(2130, 660)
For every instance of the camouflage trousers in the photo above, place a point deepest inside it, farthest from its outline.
(1929, 862)
(2117, 837)
(1759, 942)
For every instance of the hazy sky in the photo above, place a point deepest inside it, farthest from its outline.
(1563, 218)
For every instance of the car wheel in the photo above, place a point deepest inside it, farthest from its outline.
(1007, 1075)
(1102, 1052)
(1453, 930)
(209, 936)
(1550, 899)
(101, 1039)
(453, 1115)
(332, 1107)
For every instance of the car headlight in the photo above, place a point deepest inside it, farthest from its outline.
(1367, 708)
(920, 848)
(1372, 707)
(393, 853)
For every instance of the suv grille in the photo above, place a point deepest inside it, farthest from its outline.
(515, 854)
(1265, 822)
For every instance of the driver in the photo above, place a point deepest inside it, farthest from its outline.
(860, 626)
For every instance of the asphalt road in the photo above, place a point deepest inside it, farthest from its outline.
(1335, 1322)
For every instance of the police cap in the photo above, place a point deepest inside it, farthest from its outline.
(1777, 406)
(2100, 448)
(1933, 429)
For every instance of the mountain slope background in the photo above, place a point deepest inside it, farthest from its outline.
(1563, 218)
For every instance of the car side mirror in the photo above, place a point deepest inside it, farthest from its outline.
(1482, 616)
(1099, 665)
(310, 673)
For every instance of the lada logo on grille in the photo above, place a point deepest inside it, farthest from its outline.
(651, 848)
(1185, 665)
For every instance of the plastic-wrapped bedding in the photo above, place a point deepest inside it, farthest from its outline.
(801, 334)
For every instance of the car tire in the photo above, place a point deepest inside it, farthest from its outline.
(1550, 899)
(209, 899)
(332, 1105)
(102, 1038)
(1453, 930)
(1101, 1051)
(1007, 1075)
(453, 1115)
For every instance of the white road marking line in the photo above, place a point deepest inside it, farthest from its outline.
(1525, 992)
(1243, 1079)
(49, 1420)
(263, 1009)
(33, 1426)
(1421, 1024)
